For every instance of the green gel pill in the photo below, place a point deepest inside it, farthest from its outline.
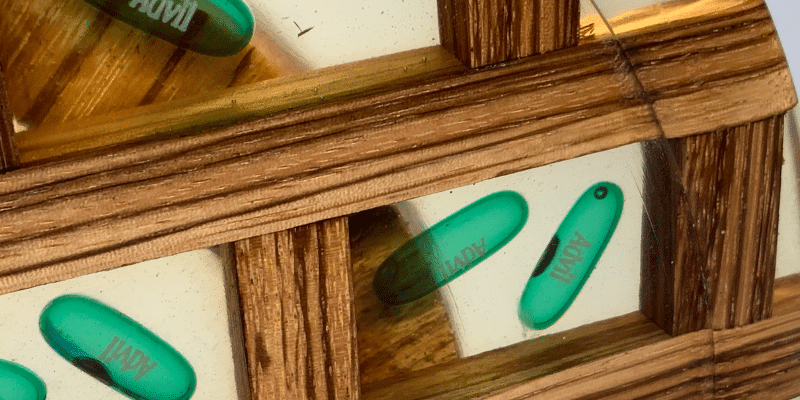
(116, 350)
(212, 27)
(19, 383)
(571, 256)
(450, 248)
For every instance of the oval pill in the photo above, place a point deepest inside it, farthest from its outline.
(450, 248)
(571, 255)
(212, 27)
(116, 350)
(19, 383)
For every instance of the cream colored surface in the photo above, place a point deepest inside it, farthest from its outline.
(180, 298)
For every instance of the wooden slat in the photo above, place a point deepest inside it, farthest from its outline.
(718, 270)
(481, 33)
(9, 157)
(299, 324)
(219, 108)
(762, 360)
(678, 368)
(89, 214)
(533, 360)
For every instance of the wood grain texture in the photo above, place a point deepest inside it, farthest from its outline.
(678, 368)
(717, 267)
(534, 360)
(65, 60)
(299, 324)
(69, 218)
(9, 157)
(488, 32)
(220, 108)
(762, 360)
(392, 340)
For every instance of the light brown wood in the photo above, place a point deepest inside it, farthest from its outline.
(718, 263)
(395, 340)
(297, 301)
(678, 368)
(340, 157)
(9, 157)
(219, 108)
(762, 360)
(481, 33)
(537, 360)
(65, 60)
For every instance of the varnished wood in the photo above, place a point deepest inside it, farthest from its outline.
(762, 360)
(65, 60)
(297, 301)
(344, 156)
(678, 368)
(537, 359)
(220, 108)
(488, 32)
(9, 157)
(395, 340)
(715, 270)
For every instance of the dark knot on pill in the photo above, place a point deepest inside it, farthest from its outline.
(94, 368)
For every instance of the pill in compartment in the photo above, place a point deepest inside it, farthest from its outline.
(212, 27)
(20, 383)
(450, 248)
(116, 350)
(571, 255)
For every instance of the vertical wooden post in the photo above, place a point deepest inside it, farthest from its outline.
(9, 157)
(718, 235)
(488, 32)
(297, 301)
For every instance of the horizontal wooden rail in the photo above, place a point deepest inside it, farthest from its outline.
(220, 108)
(490, 371)
(84, 215)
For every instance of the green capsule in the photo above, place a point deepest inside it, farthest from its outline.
(213, 27)
(571, 256)
(116, 349)
(450, 248)
(19, 383)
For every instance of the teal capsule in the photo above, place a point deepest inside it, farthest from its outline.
(450, 248)
(19, 383)
(116, 350)
(213, 27)
(571, 256)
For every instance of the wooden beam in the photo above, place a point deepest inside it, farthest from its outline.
(481, 33)
(299, 325)
(715, 263)
(678, 368)
(762, 360)
(9, 157)
(221, 108)
(89, 214)
(522, 362)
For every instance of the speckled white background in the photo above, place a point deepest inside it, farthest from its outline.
(180, 298)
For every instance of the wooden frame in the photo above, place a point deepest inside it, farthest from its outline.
(116, 204)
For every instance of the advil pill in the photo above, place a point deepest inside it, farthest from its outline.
(450, 248)
(213, 27)
(571, 256)
(19, 383)
(115, 349)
